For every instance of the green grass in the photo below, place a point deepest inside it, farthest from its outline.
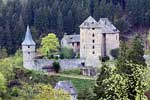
(80, 84)
(72, 72)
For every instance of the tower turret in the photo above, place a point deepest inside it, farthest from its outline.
(28, 49)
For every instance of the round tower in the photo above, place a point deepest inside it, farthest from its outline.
(28, 49)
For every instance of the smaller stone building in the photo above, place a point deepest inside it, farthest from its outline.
(68, 87)
(71, 41)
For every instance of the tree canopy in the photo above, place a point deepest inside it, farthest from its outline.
(50, 44)
(60, 16)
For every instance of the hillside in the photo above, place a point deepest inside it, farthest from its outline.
(61, 16)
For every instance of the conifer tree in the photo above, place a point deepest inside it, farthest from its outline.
(136, 53)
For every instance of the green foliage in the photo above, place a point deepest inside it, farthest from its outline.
(46, 92)
(67, 53)
(56, 66)
(2, 85)
(147, 52)
(72, 72)
(86, 94)
(121, 61)
(99, 88)
(104, 59)
(126, 81)
(50, 44)
(80, 84)
(7, 68)
(136, 53)
(115, 53)
(61, 16)
(3, 53)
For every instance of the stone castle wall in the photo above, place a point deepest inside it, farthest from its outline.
(66, 64)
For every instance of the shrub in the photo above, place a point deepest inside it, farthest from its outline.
(67, 53)
(115, 53)
(104, 59)
(56, 66)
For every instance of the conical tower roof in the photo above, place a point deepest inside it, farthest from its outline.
(90, 22)
(28, 38)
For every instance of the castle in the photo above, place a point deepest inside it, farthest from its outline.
(96, 40)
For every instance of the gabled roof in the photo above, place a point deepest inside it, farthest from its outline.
(72, 38)
(66, 86)
(90, 22)
(107, 26)
(28, 38)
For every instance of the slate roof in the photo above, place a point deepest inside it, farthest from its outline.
(107, 26)
(28, 38)
(104, 23)
(66, 86)
(90, 22)
(72, 38)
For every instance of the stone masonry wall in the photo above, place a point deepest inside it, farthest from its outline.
(66, 64)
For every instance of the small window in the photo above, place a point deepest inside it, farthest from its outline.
(93, 41)
(28, 46)
(73, 44)
(93, 35)
(93, 28)
(92, 22)
(116, 37)
(93, 52)
(93, 47)
(28, 52)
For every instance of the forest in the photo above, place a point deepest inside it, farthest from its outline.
(60, 16)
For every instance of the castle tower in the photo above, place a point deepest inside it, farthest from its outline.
(90, 42)
(28, 48)
(97, 40)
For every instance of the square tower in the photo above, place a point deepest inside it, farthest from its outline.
(97, 39)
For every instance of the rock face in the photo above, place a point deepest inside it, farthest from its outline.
(97, 39)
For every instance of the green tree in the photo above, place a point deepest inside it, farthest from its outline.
(56, 66)
(46, 92)
(67, 53)
(2, 85)
(122, 58)
(136, 53)
(3, 53)
(99, 89)
(50, 44)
